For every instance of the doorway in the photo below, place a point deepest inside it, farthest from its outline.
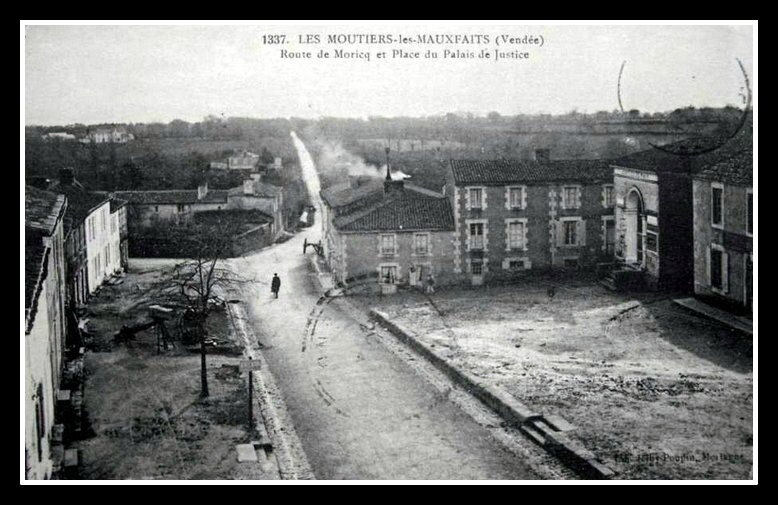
(634, 215)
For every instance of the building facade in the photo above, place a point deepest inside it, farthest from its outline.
(93, 237)
(388, 233)
(45, 324)
(724, 231)
(146, 208)
(514, 216)
(109, 135)
(655, 209)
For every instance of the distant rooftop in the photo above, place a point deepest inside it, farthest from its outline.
(172, 197)
(713, 150)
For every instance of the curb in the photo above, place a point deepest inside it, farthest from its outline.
(274, 422)
(531, 423)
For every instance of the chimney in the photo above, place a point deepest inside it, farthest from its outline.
(66, 176)
(248, 187)
(543, 155)
(202, 190)
(392, 187)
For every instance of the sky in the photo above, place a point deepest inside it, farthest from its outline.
(128, 74)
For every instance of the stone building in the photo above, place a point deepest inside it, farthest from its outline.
(178, 205)
(45, 324)
(655, 212)
(724, 230)
(512, 215)
(387, 233)
(93, 236)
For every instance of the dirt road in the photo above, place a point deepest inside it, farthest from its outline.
(359, 411)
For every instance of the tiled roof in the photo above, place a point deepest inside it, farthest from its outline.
(35, 271)
(406, 210)
(514, 171)
(80, 201)
(175, 196)
(737, 169)
(42, 209)
(261, 190)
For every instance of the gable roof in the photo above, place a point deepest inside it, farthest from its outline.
(36, 256)
(42, 209)
(525, 171)
(404, 210)
(171, 197)
(80, 201)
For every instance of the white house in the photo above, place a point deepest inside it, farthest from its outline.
(44, 334)
(102, 228)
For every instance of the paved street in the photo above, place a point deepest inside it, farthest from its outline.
(359, 411)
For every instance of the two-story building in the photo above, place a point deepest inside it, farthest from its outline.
(147, 208)
(116, 135)
(388, 232)
(724, 230)
(515, 215)
(243, 161)
(257, 195)
(101, 244)
(45, 324)
(655, 208)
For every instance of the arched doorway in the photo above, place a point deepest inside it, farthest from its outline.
(634, 216)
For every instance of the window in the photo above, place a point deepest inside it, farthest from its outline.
(610, 237)
(156, 208)
(387, 246)
(421, 244)
(516, 265)
(476, 198)
(570, 197)
(717, 205)
(107, 255)
(388, 274)
(40, 420)
(477, 268)
(607, 195)
(181, 207)
(515, 235)
(570, 231)
(651, 241)
(716, 270)
(476, 236)
(516, 197)
(750, 216)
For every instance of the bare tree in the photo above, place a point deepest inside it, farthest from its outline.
(196, 283)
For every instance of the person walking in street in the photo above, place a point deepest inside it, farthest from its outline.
(275, 285)
(430, 285)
